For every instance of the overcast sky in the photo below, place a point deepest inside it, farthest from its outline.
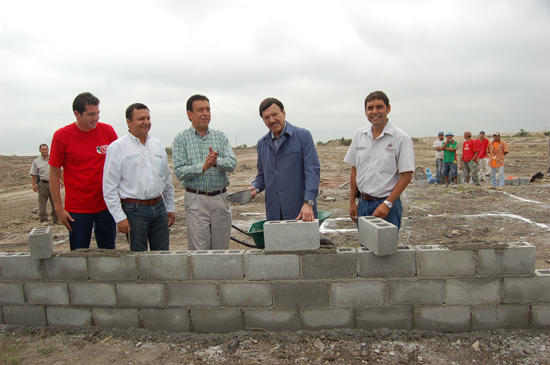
(445, 65)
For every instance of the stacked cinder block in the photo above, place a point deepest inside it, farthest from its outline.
(291, 235)
(41, 242)
(422, 287)
(378, 235)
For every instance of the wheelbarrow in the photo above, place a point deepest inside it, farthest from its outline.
(256, 231)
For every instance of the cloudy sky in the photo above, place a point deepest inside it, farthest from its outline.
(447, 65)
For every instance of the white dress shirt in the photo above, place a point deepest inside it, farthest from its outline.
(136, 171)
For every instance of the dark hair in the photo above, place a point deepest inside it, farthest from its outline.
(131, 108)
(83, 99)
(194, 98)
(380, 95)
(40, 147)
(269, 102)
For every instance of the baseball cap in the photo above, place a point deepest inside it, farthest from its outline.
(449, 134)
(482, 132)
(496, 134)
(440, 133)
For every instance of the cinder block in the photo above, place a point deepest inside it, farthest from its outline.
(541, 315)
(63, 316)
(292, 235)
(216, 320)
(246, 295)
(508, 182)
(500, 316)
(421, 183)
(100, 294)
(140, 294)
(515, 182)
(106, 268)
(424, 291)
(115, 317)
(401, 265)
(165, 265)
(421, 177)
(378, 236)
(191, 294)
(302, 294)
(394, 318)
(41, 242)
(271, 319)
(358, 293)
(530, 289)
(52, 293)
(171, 320)
(440, 261)
(259, 266)
(19, 266)
(11, 293)
(65, 268)
(24, 315)
(319, 319)
(517, 259)
(331, 265)
(473, 291)
(445, 319)
(523, 181)
(217, 265)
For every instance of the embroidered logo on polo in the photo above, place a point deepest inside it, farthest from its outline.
(389, 147)
(360, 148)
(102, 150)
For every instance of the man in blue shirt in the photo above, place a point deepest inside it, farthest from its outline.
(288, 167)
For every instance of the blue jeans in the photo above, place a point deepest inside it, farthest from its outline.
(147, 222)
(104, 230)
(500, 171)
(366, 208)
(438, 168)
(449, 168)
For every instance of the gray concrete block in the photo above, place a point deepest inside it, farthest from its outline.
(473, 291)
(540, 315)
(115, 317)
(100, 294)
(319, 265)
(271, 319)
(19, 266)
(41, 242)
(530, 289)
(246, 295)
(63, 316)
(259, 266)
(523, 181)
(171, 320)
(52, 293)
(508, 182)
(358, 293)
(518, 259)
(515, 182)
(378, 236)
(191, 294)
(421, 177)
(445, 319)
(421, 183)
(217, 265)
(65, 268)
(302, 294)
(164, 265)
(425, 291)
(24, 315)
(440, 261)
(401, 265)
(500, 316)
(140, 294)
(319, 319)
(106, 268)
(394, 318)
(11, 293)
(292, 235)
(216, 320)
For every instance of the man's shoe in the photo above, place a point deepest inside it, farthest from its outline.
(446, 186)
(456, 186)
(45, 223)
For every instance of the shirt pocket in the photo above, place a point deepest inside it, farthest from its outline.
(388, 163)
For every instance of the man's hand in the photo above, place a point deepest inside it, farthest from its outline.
(124, 226)
(211, 160)
(35, 188)
(64, 218)
(306, 214)
(253, 190)
(353, 211)
(171, 218)
(382, 211)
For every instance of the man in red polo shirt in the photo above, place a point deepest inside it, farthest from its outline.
(470, 150)
(483, 144)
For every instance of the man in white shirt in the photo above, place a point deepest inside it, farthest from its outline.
(40, 172)
(137, 184)
(439, 151)
(382, 163)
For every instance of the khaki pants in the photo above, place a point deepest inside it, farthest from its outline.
(44, 195)
(208, 221)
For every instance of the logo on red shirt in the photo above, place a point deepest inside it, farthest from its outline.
(102, 150)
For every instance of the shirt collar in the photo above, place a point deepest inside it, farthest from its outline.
(134, 138)
(388, 129)
(282, 133)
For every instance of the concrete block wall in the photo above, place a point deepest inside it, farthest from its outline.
(422, 287)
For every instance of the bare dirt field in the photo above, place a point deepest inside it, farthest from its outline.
(461, 218)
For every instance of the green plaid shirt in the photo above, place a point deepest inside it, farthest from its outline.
(189, 152)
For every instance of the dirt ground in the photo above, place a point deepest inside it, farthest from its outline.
(461, 218)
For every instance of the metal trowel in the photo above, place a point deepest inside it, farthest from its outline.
(241, 197)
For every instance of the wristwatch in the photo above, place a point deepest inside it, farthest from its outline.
(388, 204)
(309, 202)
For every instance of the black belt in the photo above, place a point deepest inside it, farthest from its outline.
(207, 193)
(144, 201)
(368, 198)
(46, 181)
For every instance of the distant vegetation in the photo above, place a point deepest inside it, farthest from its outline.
(522, 133)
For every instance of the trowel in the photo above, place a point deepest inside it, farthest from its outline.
(240, 197)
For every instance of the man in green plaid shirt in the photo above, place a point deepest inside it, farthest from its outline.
(201, 158)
